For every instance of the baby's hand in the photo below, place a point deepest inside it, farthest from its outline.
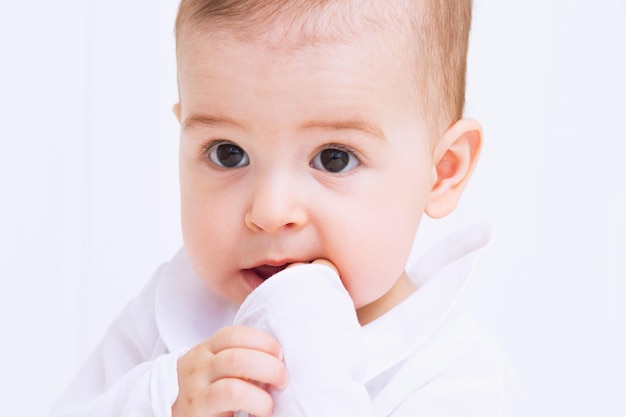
(320, 261)
(229, 372)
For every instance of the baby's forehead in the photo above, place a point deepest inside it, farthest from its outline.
(311, 23)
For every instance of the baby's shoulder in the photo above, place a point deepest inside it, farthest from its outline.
(461, 365)
(463, 328)
(462, 343)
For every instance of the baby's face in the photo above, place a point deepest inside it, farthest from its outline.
(293, 155)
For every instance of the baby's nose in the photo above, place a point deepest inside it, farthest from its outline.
(276, 205)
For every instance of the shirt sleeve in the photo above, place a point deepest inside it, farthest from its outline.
(130, 373)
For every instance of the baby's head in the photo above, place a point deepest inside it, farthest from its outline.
(319, 129)
(429, 37)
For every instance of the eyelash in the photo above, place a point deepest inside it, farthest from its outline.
(204, 151)
(342, 148)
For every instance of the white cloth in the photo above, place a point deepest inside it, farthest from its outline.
(312, 316)
(421, 358)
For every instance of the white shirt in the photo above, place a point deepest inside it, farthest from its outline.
(422, 358)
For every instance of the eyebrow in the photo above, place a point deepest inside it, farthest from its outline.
(201, 120)
(349, 124)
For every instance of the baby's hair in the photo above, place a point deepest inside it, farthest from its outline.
(435, 32)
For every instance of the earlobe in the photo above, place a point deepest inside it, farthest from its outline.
(176, 111)
(455, 157)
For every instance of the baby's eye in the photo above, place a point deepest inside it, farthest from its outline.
(335, 160)
(228, 155)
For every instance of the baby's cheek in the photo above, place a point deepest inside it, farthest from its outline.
(362, 289)
(371, 282)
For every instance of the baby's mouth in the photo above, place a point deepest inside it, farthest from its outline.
(266, 271)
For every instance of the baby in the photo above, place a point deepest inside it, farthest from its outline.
(314, 135)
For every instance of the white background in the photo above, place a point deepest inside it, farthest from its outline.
(89, 205)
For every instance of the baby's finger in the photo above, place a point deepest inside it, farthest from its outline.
(235, 394)
(296, 264)
(327, 263)
(248, 364)
(226, 396)
(320, 261)
(243, 337)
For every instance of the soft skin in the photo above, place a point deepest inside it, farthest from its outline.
(279, 108)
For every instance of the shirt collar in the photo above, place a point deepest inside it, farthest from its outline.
(186, 311)
(440, 276)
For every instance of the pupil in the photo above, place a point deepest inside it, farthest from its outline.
(229, 155)
(334, 160)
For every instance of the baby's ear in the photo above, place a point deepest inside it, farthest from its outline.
(176, 111)
(455, 157)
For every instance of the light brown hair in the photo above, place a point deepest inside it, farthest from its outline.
(435, 31)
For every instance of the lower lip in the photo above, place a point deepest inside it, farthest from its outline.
(252, 279)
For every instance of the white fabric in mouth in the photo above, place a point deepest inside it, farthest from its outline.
(307, 309)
